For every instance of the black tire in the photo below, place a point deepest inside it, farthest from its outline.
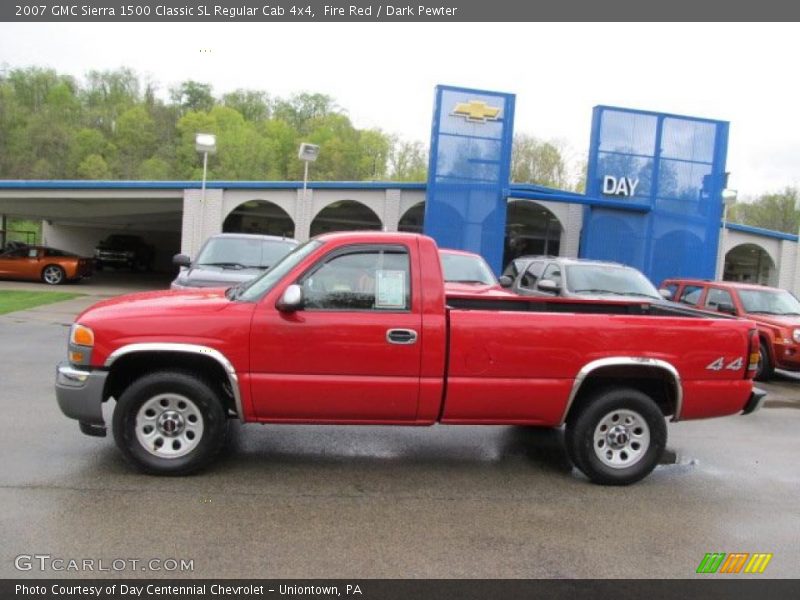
(53, 275)
(765, 367)
(174, 387)
(644, 446)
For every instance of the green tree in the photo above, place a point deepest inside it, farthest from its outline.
(774, 211)
(136, 138)
(192, 95)
(408, 161)
(93, 166)
(535, 161)
(107, 95)
(155, 169)
(301, 111)
(251, 104)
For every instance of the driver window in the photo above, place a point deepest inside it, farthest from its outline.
(715, 297)
(531, 276)
(373, 279)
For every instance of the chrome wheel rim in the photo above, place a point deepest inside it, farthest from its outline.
(52, 275)
(169, 426)
(621, 439)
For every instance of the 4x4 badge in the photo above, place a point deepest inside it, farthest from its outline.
(719, 364)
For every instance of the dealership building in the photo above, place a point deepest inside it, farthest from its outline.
(654, 200)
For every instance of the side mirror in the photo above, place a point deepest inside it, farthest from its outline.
(291, 300)
(506, 281)
(548, 285)
(665, 293)
(726, 307)
(181, 260)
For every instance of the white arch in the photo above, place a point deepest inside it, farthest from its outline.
(363, 205)
(284, 214)
(286, 199)
(532, 204)
(764, 273)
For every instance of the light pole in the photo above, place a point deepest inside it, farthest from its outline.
(728, 198)
(205, 143)
(307, 153)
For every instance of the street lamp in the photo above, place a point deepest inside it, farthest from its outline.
(728, 198)
(205, 143)
(307, 153)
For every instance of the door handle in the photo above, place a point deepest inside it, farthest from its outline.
(401, 336)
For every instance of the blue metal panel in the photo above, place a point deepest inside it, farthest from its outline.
(679, 164)
(469, 170)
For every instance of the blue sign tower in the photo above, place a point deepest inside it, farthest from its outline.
(469, 171)
(671, 166)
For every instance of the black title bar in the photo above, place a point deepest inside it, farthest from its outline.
(708, 588)
(248, 11)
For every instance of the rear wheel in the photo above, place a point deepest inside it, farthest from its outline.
(765, 369)
(170, 423)
(53, 275)
(617, 437)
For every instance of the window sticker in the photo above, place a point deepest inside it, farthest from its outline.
(390, 289)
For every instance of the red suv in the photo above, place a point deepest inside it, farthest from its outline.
(775, 311)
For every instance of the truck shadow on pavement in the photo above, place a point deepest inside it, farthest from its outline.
(444, 446)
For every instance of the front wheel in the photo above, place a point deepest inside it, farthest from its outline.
(765, 370)
(617, 437)
(170, 423)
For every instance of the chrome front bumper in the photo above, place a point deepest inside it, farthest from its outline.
(80, 396)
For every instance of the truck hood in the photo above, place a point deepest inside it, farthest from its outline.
(160, 303)
(775, 320)
(214, 276)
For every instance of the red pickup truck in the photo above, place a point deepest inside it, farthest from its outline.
(356, 328)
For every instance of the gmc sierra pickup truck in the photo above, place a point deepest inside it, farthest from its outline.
(356, 328)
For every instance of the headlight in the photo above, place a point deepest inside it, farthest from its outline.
(796, 336)
(80, 335)
(81, 341)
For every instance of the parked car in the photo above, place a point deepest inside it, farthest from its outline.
(13, 245)
(228, 259)
(776, 312)
(41, 263)
(518, 265)
(307, 343)
(468, 272)
(581, 278)
(123, 250)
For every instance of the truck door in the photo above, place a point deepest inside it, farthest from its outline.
(352, 352)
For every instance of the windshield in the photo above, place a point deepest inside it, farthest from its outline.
(609, 279)
(460, 268)
(243, 252)
(260, 285)
(769, 302)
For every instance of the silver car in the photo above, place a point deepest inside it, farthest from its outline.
(228, 259)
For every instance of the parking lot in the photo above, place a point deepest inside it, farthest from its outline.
(305, 501)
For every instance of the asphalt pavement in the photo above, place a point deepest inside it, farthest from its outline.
(352, 502)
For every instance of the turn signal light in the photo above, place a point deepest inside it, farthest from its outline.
(753, 353)
(81, 335)
(76, 357)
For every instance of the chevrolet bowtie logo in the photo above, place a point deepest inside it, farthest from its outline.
(476, 111)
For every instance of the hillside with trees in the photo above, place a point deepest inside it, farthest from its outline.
(113, 125)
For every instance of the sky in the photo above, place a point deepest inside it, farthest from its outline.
(383, 74)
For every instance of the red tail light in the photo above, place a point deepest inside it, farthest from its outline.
(753, 355)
